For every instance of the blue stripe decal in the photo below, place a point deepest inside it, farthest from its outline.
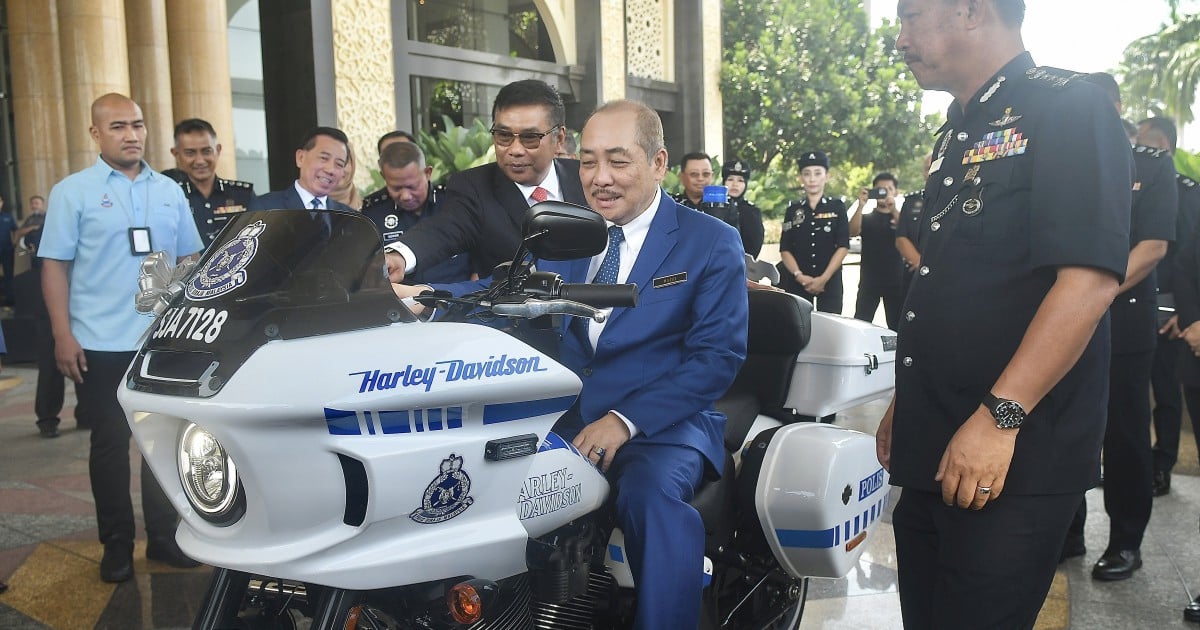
(828, 538)
(418, 415)
(342, 422)
(370, 423)
(434, 418)
(454, 417)
(394, 421)
(616, 554)
(507, 412)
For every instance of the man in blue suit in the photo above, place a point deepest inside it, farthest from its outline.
(651, 373)
(321, 159)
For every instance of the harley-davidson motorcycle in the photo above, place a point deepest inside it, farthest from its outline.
(343, 463)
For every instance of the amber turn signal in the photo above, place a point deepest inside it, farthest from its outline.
(465, 604)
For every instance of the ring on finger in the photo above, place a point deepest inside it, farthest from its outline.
(599, 451)
(983, 489)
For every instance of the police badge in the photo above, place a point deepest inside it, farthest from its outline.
(446, 496)
(225, 270)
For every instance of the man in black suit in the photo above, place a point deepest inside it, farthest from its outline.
(321, 159)
(485, 206)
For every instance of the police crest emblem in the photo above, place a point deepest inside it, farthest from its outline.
(391, 221)
(447, 495)
(225, 270)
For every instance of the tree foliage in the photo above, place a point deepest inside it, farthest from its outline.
(812, 74)
(1161, 71)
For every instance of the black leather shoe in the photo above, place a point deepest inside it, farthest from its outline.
(1192, 612)
(4, 587)
(1162, 483)
(117, 564)
(1073, 548)
(167, 551)
(1117, 565)
(48, 432)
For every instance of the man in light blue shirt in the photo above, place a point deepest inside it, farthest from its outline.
(100, 225)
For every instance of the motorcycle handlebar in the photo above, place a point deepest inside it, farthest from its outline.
(600, 295)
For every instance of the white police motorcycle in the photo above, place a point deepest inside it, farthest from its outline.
(343, 464)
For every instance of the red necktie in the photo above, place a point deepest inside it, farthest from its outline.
(539, 194)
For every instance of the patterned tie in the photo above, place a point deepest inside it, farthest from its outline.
(612, 260)
(323, 217)
(539, 194)
(316, 203)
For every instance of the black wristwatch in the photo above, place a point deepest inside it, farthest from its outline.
(1009, 414)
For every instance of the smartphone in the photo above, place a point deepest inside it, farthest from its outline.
(877, 193)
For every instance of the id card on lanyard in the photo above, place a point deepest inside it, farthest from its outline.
(139, 241)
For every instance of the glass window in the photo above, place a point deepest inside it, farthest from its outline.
(246, 79)
(512, 28)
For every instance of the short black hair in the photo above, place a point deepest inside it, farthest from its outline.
(1011, 11)
(194, 125)
(1106, 82)
(1166, 127)
(532, 92)
(694, 155)
(393, 134)
(885, 176)
(401, 154)
(310, 138)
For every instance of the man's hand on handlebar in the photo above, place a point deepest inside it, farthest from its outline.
(395, 266)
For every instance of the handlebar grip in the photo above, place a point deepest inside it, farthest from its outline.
(600, 295)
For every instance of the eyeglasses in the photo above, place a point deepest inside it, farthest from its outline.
(529, 139)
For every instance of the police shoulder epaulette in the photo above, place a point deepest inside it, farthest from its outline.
(1149, 151)
(1185, 180)
(1051, 77)
(237, 183)
(376, 197)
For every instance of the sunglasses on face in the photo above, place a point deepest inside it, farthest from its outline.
(529, 139)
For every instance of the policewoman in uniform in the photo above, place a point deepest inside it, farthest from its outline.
(815, 239)
(1002, 365)
(407, 198)
(214, 200)
(736, 175)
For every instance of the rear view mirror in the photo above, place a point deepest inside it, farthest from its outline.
(555, 230)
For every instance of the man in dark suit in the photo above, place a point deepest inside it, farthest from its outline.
(651, 373)
(321, 159)
(485, 206)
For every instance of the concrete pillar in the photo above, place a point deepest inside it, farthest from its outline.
(363, 79)
(95, 61)
(150, 76)
(37, 97)
(200, 88)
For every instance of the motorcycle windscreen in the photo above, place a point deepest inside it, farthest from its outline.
(270, 275)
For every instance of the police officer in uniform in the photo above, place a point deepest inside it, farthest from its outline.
(406, 198)
(997, 422)
(1128, 458)
(213, 200)
(815, 239)
(736, 175)
(906, 236)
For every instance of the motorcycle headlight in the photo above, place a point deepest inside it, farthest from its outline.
(209, 477)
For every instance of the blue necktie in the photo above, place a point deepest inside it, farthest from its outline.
(607, 273)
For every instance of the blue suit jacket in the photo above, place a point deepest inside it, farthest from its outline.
(289, 199)
(663, 363)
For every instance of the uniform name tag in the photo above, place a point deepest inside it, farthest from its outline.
(666, 281)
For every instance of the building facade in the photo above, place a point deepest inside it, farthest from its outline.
(265, 71)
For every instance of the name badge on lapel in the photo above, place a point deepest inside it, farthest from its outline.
(673, 279)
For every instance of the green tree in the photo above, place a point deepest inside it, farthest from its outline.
(813, 74)
(1161, 71)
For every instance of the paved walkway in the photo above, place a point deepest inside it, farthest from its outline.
(50, 557)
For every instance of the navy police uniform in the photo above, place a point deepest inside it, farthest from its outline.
(229, 198)
(1128, 458)
(1186, 283)
(1004, 209)
(811, 236)
(746, 217)
(909, 227)
(1164, 376)
(881, 271)
(392, 221)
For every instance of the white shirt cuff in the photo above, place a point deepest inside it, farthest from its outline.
(410, 259)
(633, 430)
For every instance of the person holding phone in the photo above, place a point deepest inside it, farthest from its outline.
(882, 269)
